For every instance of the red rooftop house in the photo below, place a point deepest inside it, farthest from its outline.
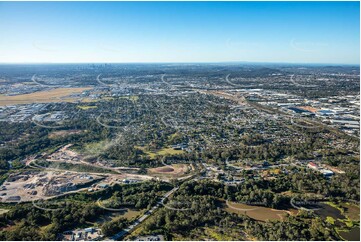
(312, 166)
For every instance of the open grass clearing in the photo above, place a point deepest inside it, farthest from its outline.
(128, 214)
(162, 152)
(132, 98)
(86, 107)
(95, 148)
(2, 211)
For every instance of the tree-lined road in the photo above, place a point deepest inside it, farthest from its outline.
(144, 217)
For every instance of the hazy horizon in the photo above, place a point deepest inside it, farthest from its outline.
(180, 32)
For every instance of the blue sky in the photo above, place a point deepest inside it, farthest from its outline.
(294, 32)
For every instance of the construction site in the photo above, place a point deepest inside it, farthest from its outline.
(33, 185)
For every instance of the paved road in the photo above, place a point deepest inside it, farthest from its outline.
(164, 81)
(33, 79)
(144, 217)
(100, 82)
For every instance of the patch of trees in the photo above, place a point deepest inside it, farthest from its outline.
(250, 192)
(4, 165)
(114, 226)
(206, 211)
(302, 227)
(269, 193)
(26, 220)
(203, 212)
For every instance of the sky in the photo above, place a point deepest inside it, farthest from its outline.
(122, 32)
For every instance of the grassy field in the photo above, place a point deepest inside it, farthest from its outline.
(2, 211)
(53, 95)
(132, 98)
(95, 148)
(86, 107)
(129, 214)
(217, 234)
(164, 151)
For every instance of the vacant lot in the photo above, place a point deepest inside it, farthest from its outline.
(128, 213)
(174, 170)
(163, 152)
(53, 95)
(64, 133)
(352, 211)
(258, 212)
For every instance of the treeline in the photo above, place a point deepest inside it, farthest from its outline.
(250, 192)
(254, 147)
(270, 193)
(142, 195)
(114, 226)
(26, 221)
(303, 227)
(202, 211)
(206, 211)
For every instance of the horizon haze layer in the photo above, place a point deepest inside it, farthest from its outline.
(180, 32)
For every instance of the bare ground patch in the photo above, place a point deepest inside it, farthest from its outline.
(54, 95)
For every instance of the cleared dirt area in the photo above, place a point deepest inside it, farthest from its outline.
(239, 99)
(33, 185)
(309, 108)
(173, 170)
(352, 211)
(258, 212)
(53, 95)
(166, 169)
(63, 133)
